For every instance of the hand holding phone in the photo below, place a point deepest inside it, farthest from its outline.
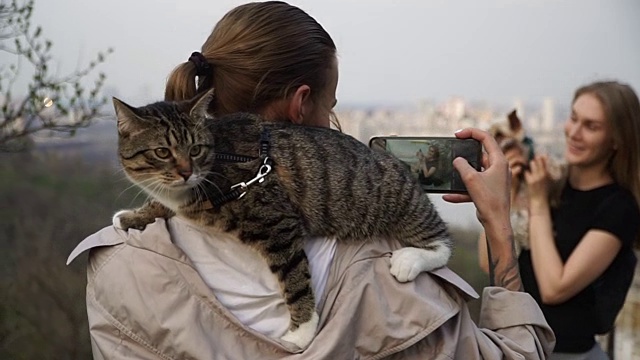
(489, 191)
(490, 188)
(430, 159)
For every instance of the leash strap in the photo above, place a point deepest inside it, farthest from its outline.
(238, 190)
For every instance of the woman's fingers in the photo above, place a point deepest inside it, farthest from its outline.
(456, 198)
(488, 142)
(489, 189)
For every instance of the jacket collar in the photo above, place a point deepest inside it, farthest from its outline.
(155, 239)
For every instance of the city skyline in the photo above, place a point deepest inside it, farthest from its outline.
(543, 119)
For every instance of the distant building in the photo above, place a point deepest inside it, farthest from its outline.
(548, 115)
(454, 108)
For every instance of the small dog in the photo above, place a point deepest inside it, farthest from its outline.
(518, 148)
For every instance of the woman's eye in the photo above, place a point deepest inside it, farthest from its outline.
(196, 150)
(162, 153)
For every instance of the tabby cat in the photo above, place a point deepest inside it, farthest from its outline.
(292, 182)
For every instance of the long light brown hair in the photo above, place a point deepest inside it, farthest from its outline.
(622, 109)
(258, 53)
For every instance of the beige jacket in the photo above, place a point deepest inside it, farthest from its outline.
(145, 300)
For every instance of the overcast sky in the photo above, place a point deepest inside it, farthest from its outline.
(389, 51)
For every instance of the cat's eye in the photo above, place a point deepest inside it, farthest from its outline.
(196, 150)
(162, 153)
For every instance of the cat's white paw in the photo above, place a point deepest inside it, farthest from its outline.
(407, 263)
(303, 335)
(117, 216)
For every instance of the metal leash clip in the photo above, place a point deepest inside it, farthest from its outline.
(262, 172)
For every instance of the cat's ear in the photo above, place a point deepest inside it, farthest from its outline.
(200, 105)
(126, 115)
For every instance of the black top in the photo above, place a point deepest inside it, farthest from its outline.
(610, 208)
(434, 179)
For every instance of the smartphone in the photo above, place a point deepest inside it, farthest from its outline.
(430, 159)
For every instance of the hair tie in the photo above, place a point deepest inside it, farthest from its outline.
(203, 67)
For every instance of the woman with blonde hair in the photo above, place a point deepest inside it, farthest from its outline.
(581, 261)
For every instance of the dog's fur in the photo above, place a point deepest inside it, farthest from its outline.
(511, 134)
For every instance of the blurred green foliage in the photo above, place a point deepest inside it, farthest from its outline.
(49, 204)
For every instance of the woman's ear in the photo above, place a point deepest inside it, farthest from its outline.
(300, 104)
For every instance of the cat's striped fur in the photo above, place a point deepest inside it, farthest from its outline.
(323, 183)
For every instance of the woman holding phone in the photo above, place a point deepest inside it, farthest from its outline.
(585, 243)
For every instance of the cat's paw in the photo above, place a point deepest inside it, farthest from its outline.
(407, 263)
(128, 219)
(303, 335)
(117, 216)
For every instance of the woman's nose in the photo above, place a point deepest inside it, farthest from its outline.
(573, 130)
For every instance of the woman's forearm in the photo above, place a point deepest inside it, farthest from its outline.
(547, 263)
(428, 171)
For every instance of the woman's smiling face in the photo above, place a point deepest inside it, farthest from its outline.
(588, 134)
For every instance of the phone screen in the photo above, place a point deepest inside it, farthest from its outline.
(430, 159)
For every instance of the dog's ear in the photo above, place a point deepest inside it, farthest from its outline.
(514, 122)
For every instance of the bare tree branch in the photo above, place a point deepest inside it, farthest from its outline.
(51, 104)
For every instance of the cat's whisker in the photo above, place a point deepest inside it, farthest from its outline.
(152, 186)
(159, 188)
(143, 191)
(140, 184)
(200, 194)
(218, 175)
(214, 185)
(119, 170)
(127, 189)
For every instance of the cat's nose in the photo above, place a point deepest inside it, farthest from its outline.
(185, 174)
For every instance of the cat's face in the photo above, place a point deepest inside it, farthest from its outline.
(164, 147)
